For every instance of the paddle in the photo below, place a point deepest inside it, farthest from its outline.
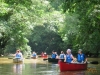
(45, 59)
(53, 59)
(10, 57)
(93, 62)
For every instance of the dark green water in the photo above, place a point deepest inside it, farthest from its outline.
(44, 69)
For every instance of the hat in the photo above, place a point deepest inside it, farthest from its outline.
(80, 50)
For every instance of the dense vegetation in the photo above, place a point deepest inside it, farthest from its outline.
(46, 25)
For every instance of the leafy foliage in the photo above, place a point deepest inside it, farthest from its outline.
(46, 25)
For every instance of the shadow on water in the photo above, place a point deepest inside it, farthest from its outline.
(73, 73)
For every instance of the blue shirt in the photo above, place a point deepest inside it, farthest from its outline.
(18, 56)
(62, 56)
(81, 57)
(34, 55)
(68, 58)
(53, 56)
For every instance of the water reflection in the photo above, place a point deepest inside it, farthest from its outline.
(17, 68)
(73, 73)
(34, 68)
(54, 67)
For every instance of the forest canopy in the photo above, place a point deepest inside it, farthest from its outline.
(47, 25)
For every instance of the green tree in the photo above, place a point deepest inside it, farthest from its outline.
(89, 17)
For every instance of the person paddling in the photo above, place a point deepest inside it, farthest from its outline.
(34, 55)
(18, 55)
(69, 57)
(62, 55)
(42, 54)
(45, 54)
(81, 58)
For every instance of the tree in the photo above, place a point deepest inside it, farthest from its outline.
(20, 18)
(89, 22)
(13, 27)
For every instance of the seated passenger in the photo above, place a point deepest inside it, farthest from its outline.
(45, 54)
(53, 55)
(34, 54)
(18, 55)
(81, 58)
(69, 56)
(57, 57)
(42, 54)
(62, 55)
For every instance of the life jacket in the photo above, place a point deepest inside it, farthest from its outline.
(68, 58)
(34, 55)
(53, 56)
(61, 56)
(80, 57)
(18, 55)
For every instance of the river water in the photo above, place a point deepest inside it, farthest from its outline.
(44, 69)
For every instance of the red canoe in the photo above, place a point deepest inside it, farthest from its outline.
(44, 56)
(72, 66)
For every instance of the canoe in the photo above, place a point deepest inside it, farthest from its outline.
(10, 57)
(72, 66)
(43, 56)
(54, 60)
(28, 58)
(17, 60)
(33, 57)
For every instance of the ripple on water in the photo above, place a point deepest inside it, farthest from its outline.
(46, 73)
(44, 69)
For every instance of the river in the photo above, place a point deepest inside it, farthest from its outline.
(45, 68)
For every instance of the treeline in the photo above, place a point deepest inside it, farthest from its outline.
(46, 25)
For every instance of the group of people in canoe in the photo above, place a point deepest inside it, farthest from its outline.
(69, 58)
(43, 54)
(18, 55)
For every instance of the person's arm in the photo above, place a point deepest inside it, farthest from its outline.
(21, 55)
(51, 55)
(65, 58)
(85, 58)
(15, 55)
(74, 59)
(57, 56)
